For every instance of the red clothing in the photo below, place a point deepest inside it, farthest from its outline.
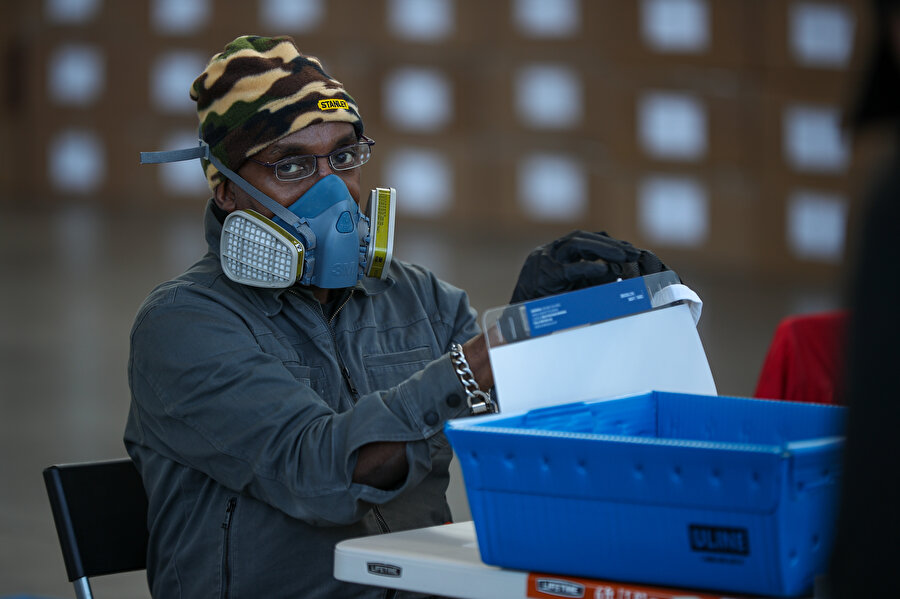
(805, 359)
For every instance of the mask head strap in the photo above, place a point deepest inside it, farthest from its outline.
(202, 151)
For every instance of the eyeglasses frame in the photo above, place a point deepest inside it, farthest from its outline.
(273, 165)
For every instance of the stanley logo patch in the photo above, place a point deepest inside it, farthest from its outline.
(333, 104)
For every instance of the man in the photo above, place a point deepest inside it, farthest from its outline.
(270, 420)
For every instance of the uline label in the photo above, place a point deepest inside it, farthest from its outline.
(384, 569)
(718, 539)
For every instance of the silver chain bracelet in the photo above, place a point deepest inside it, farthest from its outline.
(479, 401)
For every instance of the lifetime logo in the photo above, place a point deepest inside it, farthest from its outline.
(559, 588)
(718, 539)
(380, 569)
(333, 104)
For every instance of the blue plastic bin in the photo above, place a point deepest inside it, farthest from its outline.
(706, 492)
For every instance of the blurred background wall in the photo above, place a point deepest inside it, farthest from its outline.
(707, 130)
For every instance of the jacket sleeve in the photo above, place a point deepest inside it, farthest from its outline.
(205, 395)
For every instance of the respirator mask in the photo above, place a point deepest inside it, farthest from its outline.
(320, 240)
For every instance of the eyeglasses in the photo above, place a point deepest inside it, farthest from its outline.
(294, 168)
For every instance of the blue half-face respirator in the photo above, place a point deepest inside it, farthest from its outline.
(320, 240)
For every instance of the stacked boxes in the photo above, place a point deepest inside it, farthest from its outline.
(706, 130)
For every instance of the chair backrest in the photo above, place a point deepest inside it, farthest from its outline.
(100, 512)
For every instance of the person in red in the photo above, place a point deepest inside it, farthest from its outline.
(805, 361)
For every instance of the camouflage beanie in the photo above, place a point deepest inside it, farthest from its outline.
(258, 90)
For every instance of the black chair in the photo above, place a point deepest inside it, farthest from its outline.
(100, 511)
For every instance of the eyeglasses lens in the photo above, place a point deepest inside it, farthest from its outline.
(295, 167)
(349, 157)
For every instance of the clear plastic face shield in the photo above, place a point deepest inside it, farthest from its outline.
(320, 240)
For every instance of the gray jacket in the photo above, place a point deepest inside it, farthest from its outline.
(249, 405)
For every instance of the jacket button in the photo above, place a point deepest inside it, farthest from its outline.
(431, 418)
(453, 400)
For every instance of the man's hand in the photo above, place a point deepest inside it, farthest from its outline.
(381, 464)
(581, 259)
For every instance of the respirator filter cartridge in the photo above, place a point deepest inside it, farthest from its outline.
(382, 205)
(255, 251)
